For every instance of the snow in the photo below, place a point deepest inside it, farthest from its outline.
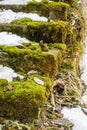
(10, 39)
(8, 73)
(77, 117)
(6, 16)
(15, 2)
(83, 64)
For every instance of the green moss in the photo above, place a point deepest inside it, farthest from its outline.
(59, 46)
(25, 98)
(27, 59)
(1, 95)
(47, 82)
(56, 5)
(32, 46)
(1, 6)
(68, 63)
(71, 2)
(45, 48)
(45, 1)
(46, 31)
(45, 8)
(3, 83)
(22, 21)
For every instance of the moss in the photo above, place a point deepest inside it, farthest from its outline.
(45, 48)
(45, 8)
(1, 6)
(59, 46)
(25, 99)
(47, 82)
(1, 95)
(22, 21)
(48, 31)
(73, 3)
(3, 83)
(68, 63)
(45, 1)
(27, 59)
(32, 46)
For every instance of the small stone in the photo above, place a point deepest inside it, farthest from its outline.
(19, 46)
(79, 2)
(17, 78)
(46, 124)
(38, 81)
(32, 72)
(58, 109)
(60, 115)
(10, 88)
(73, 22)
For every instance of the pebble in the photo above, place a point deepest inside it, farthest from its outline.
(38, 81)
(58, 109)
(32, 72)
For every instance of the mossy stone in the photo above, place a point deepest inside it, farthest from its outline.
(24, 99)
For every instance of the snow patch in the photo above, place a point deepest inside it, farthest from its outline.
(6, 16)
(11, 2)
(10, 39)
(77, 117)
(8, 73)
(83, 64)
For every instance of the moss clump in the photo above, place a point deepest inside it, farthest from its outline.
(68, 63)
(56, 10)
(46, 31)
(22, 21)
(32, 46)
(59, 46)
(3, 83)
(28, 59)
(24, 99)
(71, 2)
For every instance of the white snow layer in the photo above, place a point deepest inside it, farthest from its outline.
(6, 16)
(83, 64)
(16, 2)
(84, 98)
(8, 73)
(77, 117)
(10, 39)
